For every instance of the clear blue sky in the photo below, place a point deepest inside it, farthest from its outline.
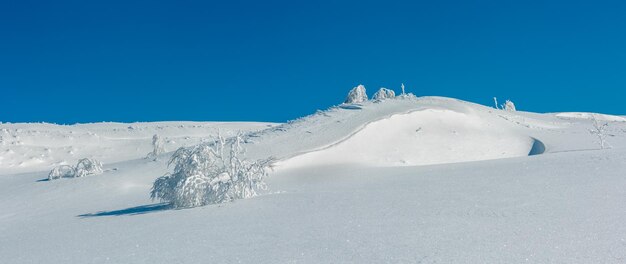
(87, 61)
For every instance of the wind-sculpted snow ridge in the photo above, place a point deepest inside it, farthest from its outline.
(401, 131)
(429, 136)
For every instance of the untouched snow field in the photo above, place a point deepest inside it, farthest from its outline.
(405, 180)
(29, 147)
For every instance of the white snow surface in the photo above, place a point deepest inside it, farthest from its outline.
(600, 117)
(415, 139)
(404, 180)
(42, 146)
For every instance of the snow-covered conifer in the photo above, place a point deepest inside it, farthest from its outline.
(356, 95)
(384, 93)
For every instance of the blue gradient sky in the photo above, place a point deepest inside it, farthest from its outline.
(87, 61)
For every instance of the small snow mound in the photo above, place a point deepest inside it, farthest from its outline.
(581, 115)
(356, 95)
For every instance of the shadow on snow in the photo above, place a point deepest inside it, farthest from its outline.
(137, 210)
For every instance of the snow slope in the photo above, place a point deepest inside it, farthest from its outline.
(32, 147)
(602, 117)
(409, 180)
(414, 139)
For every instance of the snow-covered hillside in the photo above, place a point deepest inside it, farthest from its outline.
(32, 147)
(404, 180)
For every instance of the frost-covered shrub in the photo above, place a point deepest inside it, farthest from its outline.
(356, 95)
(211, 173)
(384, 93)
(509, 106)
(83, 168)
(600, 130)
(88, 166)
(63, 171)
(158, 147)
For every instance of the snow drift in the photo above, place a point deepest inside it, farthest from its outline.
(430, 136)
(581, 115)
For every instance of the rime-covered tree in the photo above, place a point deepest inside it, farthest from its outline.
(83, 168)
(211, 173)
(63, 171)
(158, 147)
(356, 95)
(88, 166)
(599, 129)
(384, 93)
(509, 106)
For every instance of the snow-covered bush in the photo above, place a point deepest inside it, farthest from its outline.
(599, 129)
(83, 168)
(509, 106)
(88, 166)
(356, 95)
(63, 171)
(383, 94)
(158, 147)
(211, 173)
